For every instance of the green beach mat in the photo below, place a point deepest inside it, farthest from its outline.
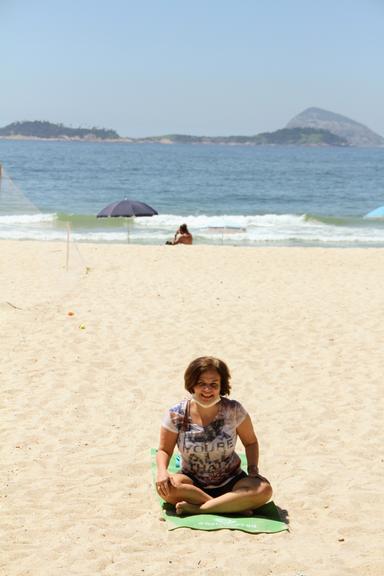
(267, 518)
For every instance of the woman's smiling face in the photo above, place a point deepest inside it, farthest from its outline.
(208, 386)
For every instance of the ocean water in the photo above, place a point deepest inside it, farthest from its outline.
(234, 195)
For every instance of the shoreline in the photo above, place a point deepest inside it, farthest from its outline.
(198, 245)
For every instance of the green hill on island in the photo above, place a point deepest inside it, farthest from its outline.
(283, 137)
(302, 137)
(42, 129)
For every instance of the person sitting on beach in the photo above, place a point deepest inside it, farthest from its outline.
(182, 236)
(205, 428)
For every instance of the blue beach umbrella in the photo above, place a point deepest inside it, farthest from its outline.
(377, 213)
(127, 209)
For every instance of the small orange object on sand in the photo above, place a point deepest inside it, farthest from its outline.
(71, 313)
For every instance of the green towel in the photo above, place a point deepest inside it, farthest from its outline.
(266, 520)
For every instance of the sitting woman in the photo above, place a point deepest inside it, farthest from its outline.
(182, 236)
(205, 428)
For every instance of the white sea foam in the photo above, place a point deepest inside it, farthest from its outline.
(26, 218)
(202, 221)
(250, 230)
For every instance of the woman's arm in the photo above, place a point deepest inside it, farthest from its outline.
(248, 437)
(167, 445)
(176, 234)
(179, 238)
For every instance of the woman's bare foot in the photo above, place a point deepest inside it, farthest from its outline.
(187, 508)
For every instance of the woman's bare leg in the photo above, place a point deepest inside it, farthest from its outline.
(247, 494)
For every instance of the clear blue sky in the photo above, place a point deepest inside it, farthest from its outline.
(214, 67)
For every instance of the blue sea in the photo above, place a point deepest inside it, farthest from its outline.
(232, 195)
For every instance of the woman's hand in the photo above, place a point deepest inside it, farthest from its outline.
(253, 472)
(163, 484)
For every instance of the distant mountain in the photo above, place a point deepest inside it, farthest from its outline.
(354, 133)
(42, 129)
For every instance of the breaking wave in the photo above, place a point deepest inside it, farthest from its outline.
(230, 229)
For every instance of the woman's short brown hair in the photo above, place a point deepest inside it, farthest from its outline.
(202, 364)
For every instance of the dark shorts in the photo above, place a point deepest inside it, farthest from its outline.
(220, 490)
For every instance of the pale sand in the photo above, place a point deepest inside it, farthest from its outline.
(302, 331)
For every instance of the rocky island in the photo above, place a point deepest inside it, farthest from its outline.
(354, 133)
(312, 127)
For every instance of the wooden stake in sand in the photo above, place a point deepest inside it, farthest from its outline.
(68, 238)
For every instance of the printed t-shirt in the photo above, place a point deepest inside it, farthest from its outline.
(208, 452)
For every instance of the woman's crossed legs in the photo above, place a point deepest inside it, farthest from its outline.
(246, 495)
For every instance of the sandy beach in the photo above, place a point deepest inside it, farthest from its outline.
(83, 395)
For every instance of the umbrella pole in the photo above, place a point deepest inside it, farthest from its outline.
(128, 236)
